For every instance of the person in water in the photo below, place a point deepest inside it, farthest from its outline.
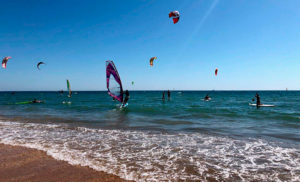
(126, 97)
(207, 97)
(163, 96)
(169, 95)
(36, 101)
(258, 103)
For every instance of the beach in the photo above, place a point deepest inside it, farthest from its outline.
(25, 164)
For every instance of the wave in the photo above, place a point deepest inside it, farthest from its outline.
(158, 155)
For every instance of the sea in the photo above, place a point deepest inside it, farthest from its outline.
(183, 138)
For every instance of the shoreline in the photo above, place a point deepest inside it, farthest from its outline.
(142, 155)
(25, 164)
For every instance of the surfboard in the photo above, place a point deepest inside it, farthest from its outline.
(30, 102)
(67, 102)
(262, 105)
(124, 106)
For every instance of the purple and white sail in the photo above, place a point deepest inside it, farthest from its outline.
(113, 81)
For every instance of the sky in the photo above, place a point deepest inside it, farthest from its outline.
(254, 44)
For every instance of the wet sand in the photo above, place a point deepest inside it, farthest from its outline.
(24, 164)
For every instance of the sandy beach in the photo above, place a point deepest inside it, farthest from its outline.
(24, 164)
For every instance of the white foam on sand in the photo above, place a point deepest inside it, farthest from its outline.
(158, 156)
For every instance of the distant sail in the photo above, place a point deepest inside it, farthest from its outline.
(69, 88)
(113, 81)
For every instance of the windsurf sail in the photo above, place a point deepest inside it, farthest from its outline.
(69, 88)
(113, 81)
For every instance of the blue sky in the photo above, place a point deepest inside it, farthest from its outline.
(254, 44)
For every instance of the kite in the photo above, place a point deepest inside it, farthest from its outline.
(38, 65)
(4, 61)
(151, 60)
(175, 15)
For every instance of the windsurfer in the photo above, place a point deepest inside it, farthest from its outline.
(126, 97)
(169, 95)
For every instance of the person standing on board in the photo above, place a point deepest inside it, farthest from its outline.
(257, 100)
(169, 95)
(126, 97)
(207, 98)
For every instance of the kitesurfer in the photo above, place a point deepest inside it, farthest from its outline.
(206, 98)
(169, 95)
(257, 100)
(126, 97)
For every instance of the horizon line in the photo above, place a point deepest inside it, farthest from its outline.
(137, 90)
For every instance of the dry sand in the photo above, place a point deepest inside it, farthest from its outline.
(23, 164)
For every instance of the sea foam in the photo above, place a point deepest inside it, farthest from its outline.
(159, 156)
